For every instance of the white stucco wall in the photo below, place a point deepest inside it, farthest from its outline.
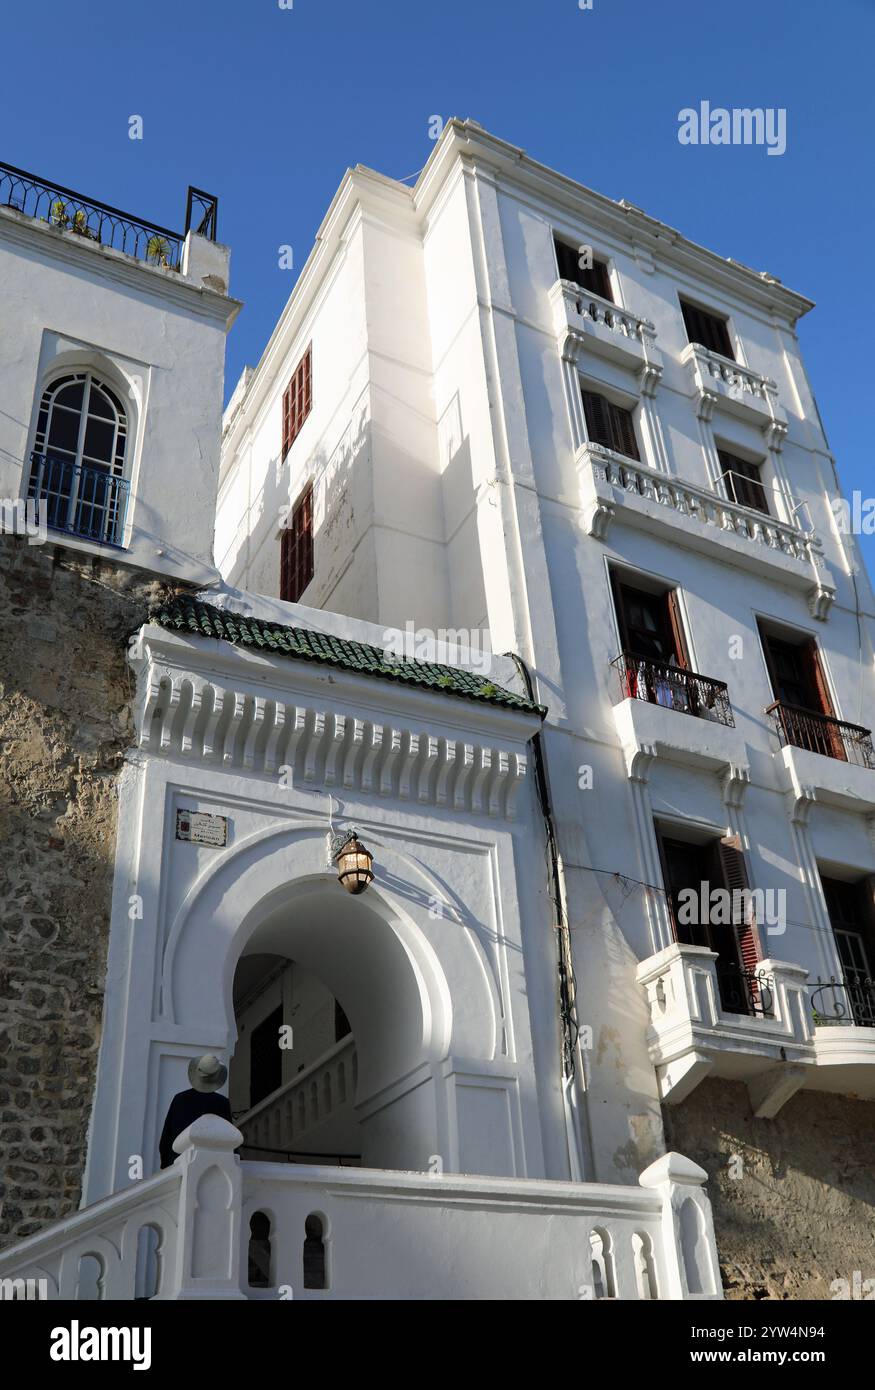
(518, 557)
(158, 337)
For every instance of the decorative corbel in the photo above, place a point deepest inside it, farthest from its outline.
(736, 781)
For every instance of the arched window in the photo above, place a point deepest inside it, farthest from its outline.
(78, 460)
(259, 1251)
(314, 1253)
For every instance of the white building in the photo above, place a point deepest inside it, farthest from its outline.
(499, 413)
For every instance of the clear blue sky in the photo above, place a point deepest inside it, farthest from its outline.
(267, 107)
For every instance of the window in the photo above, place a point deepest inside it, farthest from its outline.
(78, 460)
(743, 481)
(297, 400)
(265, 1057)
(795, 671)
(649, 622)
(595, 279)
(610, 425)
(803, 707)
(691, 872)
(296, 549)
(851, 909)
(708, 329)
(314, 1253)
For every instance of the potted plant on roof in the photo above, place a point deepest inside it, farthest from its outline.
(58, 216)
(158, 251)
(80, 225)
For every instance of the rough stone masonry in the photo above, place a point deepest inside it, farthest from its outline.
(65, 723)
(793, 1197)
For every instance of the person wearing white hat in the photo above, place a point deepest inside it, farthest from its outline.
(206, 1075)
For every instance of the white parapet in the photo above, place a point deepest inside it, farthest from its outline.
(383, 1234)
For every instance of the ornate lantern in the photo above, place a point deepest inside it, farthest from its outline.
(354, 864)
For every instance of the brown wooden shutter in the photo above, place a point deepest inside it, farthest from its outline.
(677, 629)
(832, 743)
(624, 432)
(297, 400)
(735, 878)
(598, 425)
(708, 329)
(296, 549)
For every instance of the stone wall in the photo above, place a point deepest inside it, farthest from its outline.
(793, 1197)
(65, 722)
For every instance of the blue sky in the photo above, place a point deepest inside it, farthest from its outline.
(266, 107)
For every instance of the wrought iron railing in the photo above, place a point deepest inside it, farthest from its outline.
(820, 733)
(745, 991)
(663, 683)
(95, 221)
(844, 1001)
(88, 502)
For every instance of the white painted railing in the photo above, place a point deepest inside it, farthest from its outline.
(316, 1094)
(689, 500)
(380, 1234)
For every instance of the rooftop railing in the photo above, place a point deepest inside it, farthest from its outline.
(70, 211)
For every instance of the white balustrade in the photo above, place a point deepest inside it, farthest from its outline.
(379, 1234)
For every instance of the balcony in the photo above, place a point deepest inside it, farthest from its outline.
(653, 719)
(844, 1035)
(710, 1018)
(586, 322)
(90, 503)
(388, 1235)
(720, 383)
(99, 223)
(669, 685)
(820, 733)
(616, 488)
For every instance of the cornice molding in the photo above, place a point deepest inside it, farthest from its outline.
(324, 728)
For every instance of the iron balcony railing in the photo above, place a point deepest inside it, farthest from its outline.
(88, 502)
(820, 733)
(742, 991)
(95, 221)
(848, 1001)
(663, 683)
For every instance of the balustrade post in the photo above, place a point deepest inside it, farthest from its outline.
(691, 1269)
(209, 1231)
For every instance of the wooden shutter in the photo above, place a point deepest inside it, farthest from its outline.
(297, 400)
(598, 424)
(677, 629)
(734, 870)
(296, 549)
(708, 329)
(623, 429)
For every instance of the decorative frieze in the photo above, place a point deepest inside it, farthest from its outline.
(191, 716)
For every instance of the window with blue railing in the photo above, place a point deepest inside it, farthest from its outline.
(77, 472)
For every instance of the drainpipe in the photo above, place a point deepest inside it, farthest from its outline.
(573, 1077)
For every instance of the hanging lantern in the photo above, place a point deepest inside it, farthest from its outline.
(354, 865)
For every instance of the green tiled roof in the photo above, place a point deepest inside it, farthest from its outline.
(185, 614)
